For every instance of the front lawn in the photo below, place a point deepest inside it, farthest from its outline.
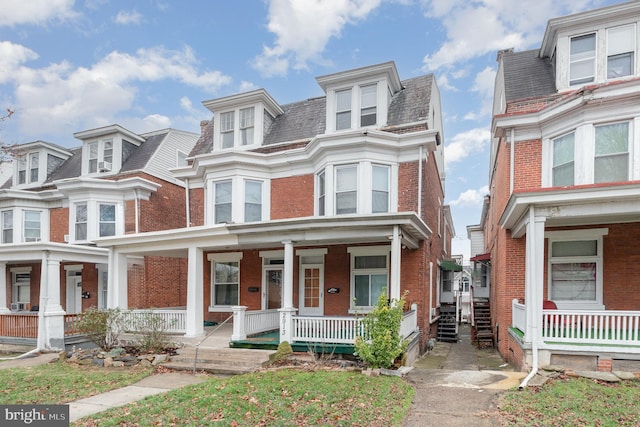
(573, 402)
(272, 398)
(57, 382)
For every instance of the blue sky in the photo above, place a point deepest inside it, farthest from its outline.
(68, 66)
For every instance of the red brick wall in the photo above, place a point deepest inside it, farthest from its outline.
(196, 202)
(408, 187)
(161, 282)
(59, 224)
(292, 197)
(528, 165)
(165, 209)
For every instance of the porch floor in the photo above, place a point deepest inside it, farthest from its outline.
(270, 341)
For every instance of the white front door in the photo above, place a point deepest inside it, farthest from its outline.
(272, 294)
(74, 295)
(312, 290)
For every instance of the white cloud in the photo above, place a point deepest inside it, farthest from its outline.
(303, 29)
(471, 197)
(131, 17)
(69, 98)
(464, 144)
(36, 12)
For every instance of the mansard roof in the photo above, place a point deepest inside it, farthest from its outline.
(526, 75)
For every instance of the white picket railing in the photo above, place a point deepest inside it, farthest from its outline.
(518, 315)
(328, 329)
(609, 327)
(261, 321)
(172, 321)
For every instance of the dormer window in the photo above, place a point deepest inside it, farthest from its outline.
(28, 163)
(620, 51)
(232, 136)
(583, 59)
(100, 156)
(368, 98)
(226, 129)
(246, 125)
(343, 109)
(33, 166)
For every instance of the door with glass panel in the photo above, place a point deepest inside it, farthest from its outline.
(311, 290)
(272, 296)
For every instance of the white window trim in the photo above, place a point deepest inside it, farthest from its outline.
(93, 218)
(13, 226)
(578, 235)
(382, 102)
(116, 148)
(237, 198)
(26, 158)
(258, 127)
(222, 257)
(14, 288)
(355, 251)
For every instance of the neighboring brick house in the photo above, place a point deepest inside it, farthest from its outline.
(561, 222)
(306, 212)
(59, 201)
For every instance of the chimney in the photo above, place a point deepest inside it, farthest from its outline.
(203, 124)
(502, 52)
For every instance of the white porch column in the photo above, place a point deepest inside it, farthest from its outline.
(117, 281)
(287, 311)
(51, 321)
(239, 328)
(3, 289)
(396, 256)
(534, 276)
(195, 293)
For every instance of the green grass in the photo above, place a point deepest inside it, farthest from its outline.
(272, 398)
(55, 383)
(573, 402)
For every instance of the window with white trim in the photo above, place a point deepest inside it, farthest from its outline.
(237, 128)
(321, 193)
(611, 162)
(104, 289)
(343, 109)
(34, 160)
(246, 125)
(620, 51)
(582, 67)
(368, 103)
(563, 160)
(22, 170)
(31, 226)
(380, 188)
(252, 201)
(7, 226)
(369, 275)
(346, 180)
(81, 221)
(100, 156)
(28, 168)
(225, 279)
(107, 220)
(227, 127)
(21, 286)
(222, 201)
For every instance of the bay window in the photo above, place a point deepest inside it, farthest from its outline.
(611, 162)
(380, 189)
(222, 202)
(346, 180)
(563, 160)
(321, 193)
(107, 220)
(81, 221)
(31, 226)
(252, 201)
(7, 226)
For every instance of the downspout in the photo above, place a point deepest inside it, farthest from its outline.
(187, 201)
(420, 182)
(529, 296)
(512, 157)
(431, 320)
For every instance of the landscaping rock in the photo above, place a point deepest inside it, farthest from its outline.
(115, 352)
(159, 358)
(98, 362)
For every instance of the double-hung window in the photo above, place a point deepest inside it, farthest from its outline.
(620, 51)
(22, 170)
(611, 162)
(321, 193)
(81, 221)
(93, 157)
(32, 226)
(370, 278)
(225, 279)
(380, 189)
(227, 125)
(563, 160)
(7, 226)
(107, 223)
(246, 125)
(573, 270)
(252, 201)
(346, 183)
(22, 287)
(222, 201)
(582, 67)
(34, 160)
(368, 100)
(343, 109)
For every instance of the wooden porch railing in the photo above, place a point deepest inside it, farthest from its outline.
(19, 325)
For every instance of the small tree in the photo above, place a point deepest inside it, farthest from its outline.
(102, 326)
(381, 342)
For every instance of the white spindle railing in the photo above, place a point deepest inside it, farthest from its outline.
(261, 321)
(409, 322)
(172, 321)
(518, 315)
(591, 327)
(335, 330)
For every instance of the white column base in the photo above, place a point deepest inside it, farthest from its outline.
(286, 324)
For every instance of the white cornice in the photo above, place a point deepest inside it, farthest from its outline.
(128, 187)
(108, 130)
(386, 69)
(232, 101)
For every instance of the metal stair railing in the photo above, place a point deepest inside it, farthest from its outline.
(197, 346)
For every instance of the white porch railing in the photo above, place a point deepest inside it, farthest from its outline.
(172, 321)
(328, 329)
(593, 327)
(409, 322)
(247, 323)
(518, 315)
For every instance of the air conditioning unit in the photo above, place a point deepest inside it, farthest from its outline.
(104, 166)
(19, 306)
(66, 238)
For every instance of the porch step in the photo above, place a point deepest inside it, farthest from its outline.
(224, 361)
(483, 331)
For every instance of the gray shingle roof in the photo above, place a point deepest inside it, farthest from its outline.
(301, 120)
(69, 169)
(141, 155)
(526, 75)
(411, 104)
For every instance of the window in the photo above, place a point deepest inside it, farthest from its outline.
(33, 167)
(573, 270)
(447, 281)
(368, 97)
(93, 157)
(252, 201)
(7, 226)
(346, 189)
(226, 282)
(380, 189)
(246, 126)
(563, 160)
(343, 109)
(226, 129)
(611, 163)
(582, 68)
(107, 224)
(222, 203)
(321, 193)
(620, 51)
(369, 274)
(81, 222)
(22, 170)
(31, 226)
(104, 290)
(21, 287)
(464, 284)
(107, 153)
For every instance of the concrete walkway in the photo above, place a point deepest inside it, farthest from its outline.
(457, 385)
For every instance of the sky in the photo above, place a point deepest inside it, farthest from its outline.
(68, 66)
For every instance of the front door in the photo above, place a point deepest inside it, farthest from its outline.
(311, 290)
(272, 296)
(74, 294)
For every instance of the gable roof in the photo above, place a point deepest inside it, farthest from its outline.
(526, 75)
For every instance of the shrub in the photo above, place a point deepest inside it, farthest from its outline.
(284, 351)
(381, 343)
(151, 330)
(102, 326)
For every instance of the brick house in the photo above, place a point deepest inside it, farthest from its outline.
(58, 201)
(301, 215)
(560, 226)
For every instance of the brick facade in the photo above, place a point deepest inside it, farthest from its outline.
(292, 197)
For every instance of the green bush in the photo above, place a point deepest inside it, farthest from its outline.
(151, 330)
(380, 343)
(102, 326)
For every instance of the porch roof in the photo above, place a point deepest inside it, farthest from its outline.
(307, 231)
(33, 251)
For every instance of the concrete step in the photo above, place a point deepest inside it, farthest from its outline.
(227, 361)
